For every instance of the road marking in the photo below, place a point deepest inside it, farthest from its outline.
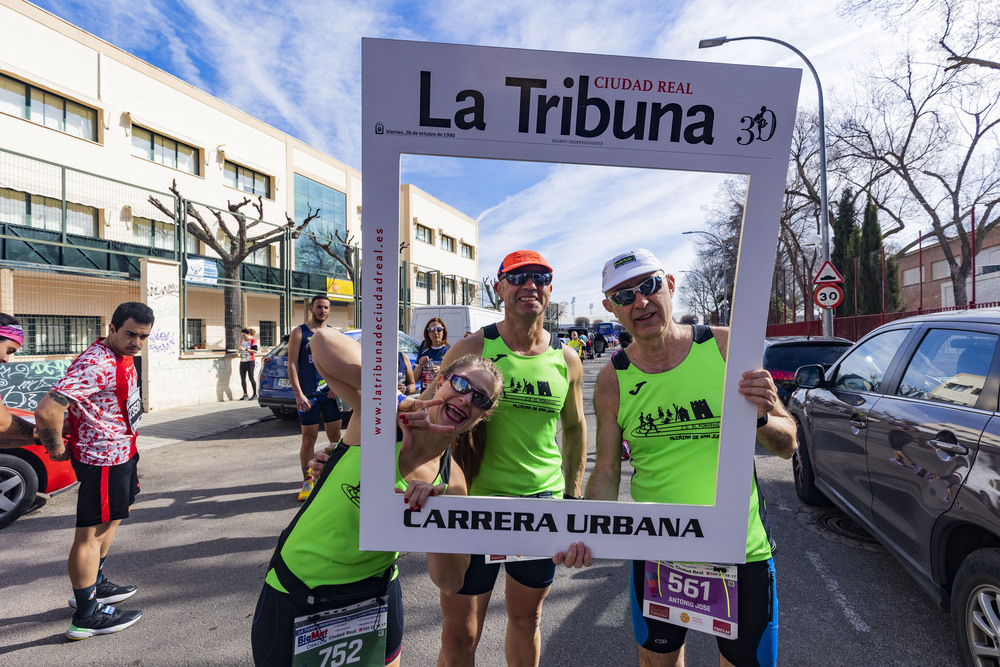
(831, 585)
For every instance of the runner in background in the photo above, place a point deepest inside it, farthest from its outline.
(248, 362)
(100, 390)
(664, 394)
(314, 400)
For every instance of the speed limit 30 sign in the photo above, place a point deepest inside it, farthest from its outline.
(828, 295)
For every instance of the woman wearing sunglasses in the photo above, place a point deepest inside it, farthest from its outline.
(317, 566)
(431, 351)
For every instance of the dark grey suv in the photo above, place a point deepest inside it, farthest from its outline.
(903, 434)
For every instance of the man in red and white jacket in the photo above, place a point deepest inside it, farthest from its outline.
(101, 391)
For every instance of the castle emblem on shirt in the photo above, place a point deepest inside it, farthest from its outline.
(534, 395)
(678, 422)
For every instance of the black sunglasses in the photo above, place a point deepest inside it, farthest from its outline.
(540, 279)
(624, 297)
(463, 386)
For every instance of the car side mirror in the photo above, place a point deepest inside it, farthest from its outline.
(809, 377)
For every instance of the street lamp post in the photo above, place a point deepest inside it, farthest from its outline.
(726, 251)
(823, 212)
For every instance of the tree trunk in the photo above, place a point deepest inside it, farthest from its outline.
(233, 303)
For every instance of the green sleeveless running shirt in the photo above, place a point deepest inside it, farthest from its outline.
(322, 548)
(522, 457)
(671, 421)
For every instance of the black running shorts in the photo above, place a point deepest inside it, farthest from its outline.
(324, 410)
(481, 576)
(757, 644)
(273, 625)
(106, 492)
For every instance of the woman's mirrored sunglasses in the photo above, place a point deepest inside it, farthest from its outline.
(624, 297)
(463, 386)
(435, 329)
(540, 279)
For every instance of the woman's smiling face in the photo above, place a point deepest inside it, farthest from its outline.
(458, 410)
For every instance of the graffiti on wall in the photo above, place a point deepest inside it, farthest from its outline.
(163, 340)
(23, 384)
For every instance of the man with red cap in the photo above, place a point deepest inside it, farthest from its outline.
(543, 387)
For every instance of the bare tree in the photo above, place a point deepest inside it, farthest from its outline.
(491, 295)
(235, 246)
(927, 136)
(965, 30)
(340, 248)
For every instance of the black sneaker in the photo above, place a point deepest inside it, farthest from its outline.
(106, 619)
(109, 592)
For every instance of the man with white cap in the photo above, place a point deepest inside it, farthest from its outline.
(664, 395)
(543, 388)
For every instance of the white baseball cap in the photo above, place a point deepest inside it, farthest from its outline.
(628, 265)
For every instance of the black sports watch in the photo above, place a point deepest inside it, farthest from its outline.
(761, 421)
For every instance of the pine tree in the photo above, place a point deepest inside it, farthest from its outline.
(845, 241)
(870, 263)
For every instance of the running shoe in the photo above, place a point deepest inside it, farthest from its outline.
(106, 619)
(109, 592)
(307, 487)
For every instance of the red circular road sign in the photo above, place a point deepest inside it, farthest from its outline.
(828, 296)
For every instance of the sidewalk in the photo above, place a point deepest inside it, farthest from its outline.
(197, 421)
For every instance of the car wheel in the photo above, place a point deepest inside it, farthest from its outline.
(805, 480)
(18, 486)
(975, 608)
(284, 413)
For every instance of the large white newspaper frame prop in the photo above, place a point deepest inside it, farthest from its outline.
(481, 102)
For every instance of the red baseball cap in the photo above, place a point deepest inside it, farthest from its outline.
(520, 258)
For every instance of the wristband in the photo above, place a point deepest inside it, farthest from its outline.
(400, 397)
(761, 421)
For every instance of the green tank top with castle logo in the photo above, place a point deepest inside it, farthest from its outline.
(522, 457)
(671, 421)
(322, 548)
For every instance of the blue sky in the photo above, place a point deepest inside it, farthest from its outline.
(297, 66)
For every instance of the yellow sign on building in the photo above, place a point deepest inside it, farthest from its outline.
(341, 290)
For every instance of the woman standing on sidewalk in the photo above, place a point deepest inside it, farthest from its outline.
(248, 362)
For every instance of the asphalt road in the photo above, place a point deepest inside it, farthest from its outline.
(206, 521)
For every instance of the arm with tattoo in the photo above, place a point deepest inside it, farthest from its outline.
(14, 428)
(49, 417)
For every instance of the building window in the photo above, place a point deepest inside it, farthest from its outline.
(468, 251)
(423, 280)
(447, 243)
(329, 229)
(21, 208)
(154, 233)
(448, 284)
(425, 234)
(25, 101)
(192, 244)
(260, 257)
(195, 333)
(164, 150)
(268, 333)
(940, 270)
(58, 334)
(911, 276)
(246, 180)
